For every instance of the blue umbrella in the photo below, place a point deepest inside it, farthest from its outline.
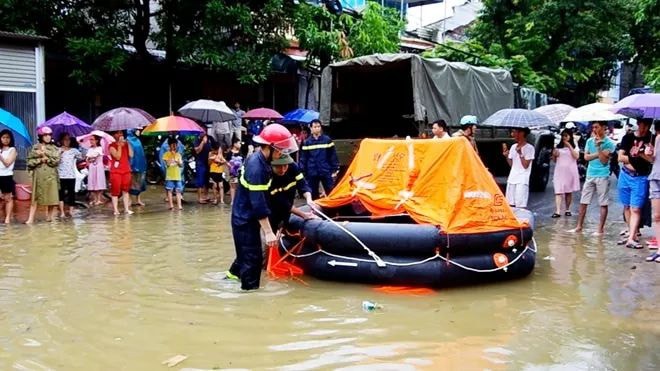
(13, 123)
(300, 116)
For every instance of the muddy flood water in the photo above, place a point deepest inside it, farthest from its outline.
(127, 293)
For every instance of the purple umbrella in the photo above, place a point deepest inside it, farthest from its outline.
(123, 118)
(67, 123)
(639, 105)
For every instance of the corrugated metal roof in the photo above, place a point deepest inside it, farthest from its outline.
(18, 36)
(463, 15)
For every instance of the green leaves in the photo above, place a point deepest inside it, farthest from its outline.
(569, 47)
(328, 37)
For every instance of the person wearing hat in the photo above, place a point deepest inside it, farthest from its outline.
(287, 179)
(468, 129)
(43, 160)
(251, 210)
(520, 158)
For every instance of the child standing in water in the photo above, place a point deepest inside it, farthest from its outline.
(216, 172)
(96, 183)
(174, 164)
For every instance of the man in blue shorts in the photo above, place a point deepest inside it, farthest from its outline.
(633, 178)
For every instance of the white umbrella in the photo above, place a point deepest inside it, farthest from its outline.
(593, 112)
(206, 110)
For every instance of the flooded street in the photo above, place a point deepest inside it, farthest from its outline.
(128, 293)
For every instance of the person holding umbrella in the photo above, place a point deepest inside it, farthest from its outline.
(251, 210)
(120, 172)
(7, 160)
(138, 166)
(67, 172)
(43, 160)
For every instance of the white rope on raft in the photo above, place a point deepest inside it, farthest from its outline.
(437, 255)
(376, 258)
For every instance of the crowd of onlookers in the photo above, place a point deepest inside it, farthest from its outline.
(117, 169)
(632, 160)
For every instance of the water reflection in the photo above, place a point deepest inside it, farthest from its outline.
(130, 292)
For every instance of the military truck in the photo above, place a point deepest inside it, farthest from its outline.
(398, 95)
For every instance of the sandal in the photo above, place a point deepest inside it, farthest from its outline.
(555, 215)
(568, 213)
(635, 245)
(655, 257)
(622, 241)
(623, 233)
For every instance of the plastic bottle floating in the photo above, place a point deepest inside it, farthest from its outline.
(370, 306)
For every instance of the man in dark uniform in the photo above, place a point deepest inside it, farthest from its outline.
(250, 210)
(318, 160)
(287, 178)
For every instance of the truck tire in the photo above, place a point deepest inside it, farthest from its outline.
(539, 179)
(540, 176)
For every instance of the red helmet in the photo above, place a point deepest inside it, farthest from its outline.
(277, 136)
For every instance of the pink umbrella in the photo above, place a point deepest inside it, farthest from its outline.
(106, 139)
(262, 114)
(123, 118)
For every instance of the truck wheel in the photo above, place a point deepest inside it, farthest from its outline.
(539, 179)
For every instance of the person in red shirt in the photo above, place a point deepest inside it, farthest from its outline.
(120, 172)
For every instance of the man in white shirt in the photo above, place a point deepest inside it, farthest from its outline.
(440, 130)
(520, 158)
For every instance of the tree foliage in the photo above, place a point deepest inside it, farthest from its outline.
(567, 48)
(328, 37)
(646, 37)
(101, 36)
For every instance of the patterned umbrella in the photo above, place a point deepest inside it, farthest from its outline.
(206, 110)
(123, 118)
(593, 112)
(106, 139)
(639, 106)
(555, 112)
(262, 114)
(67, 123)
(173, 124)
(517, 118)
(300, 116)
(13, 123)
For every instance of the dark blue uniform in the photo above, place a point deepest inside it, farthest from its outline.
(283, 193)
(250, 205)
(318, 160)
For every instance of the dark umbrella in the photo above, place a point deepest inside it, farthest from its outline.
(123, 118)
(67, 123)
(517, 118)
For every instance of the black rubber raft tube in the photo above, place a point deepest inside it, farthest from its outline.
(419, 255)
(407, 239)
(434, 273)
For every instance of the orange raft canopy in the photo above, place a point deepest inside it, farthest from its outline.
(439, 182)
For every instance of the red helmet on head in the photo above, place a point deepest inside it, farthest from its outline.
(277, 136)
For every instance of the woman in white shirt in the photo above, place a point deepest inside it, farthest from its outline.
(7, 161)
(67, 172)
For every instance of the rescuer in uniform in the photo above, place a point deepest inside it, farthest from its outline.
(318, 160)
(287, 179)
(250, 210)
